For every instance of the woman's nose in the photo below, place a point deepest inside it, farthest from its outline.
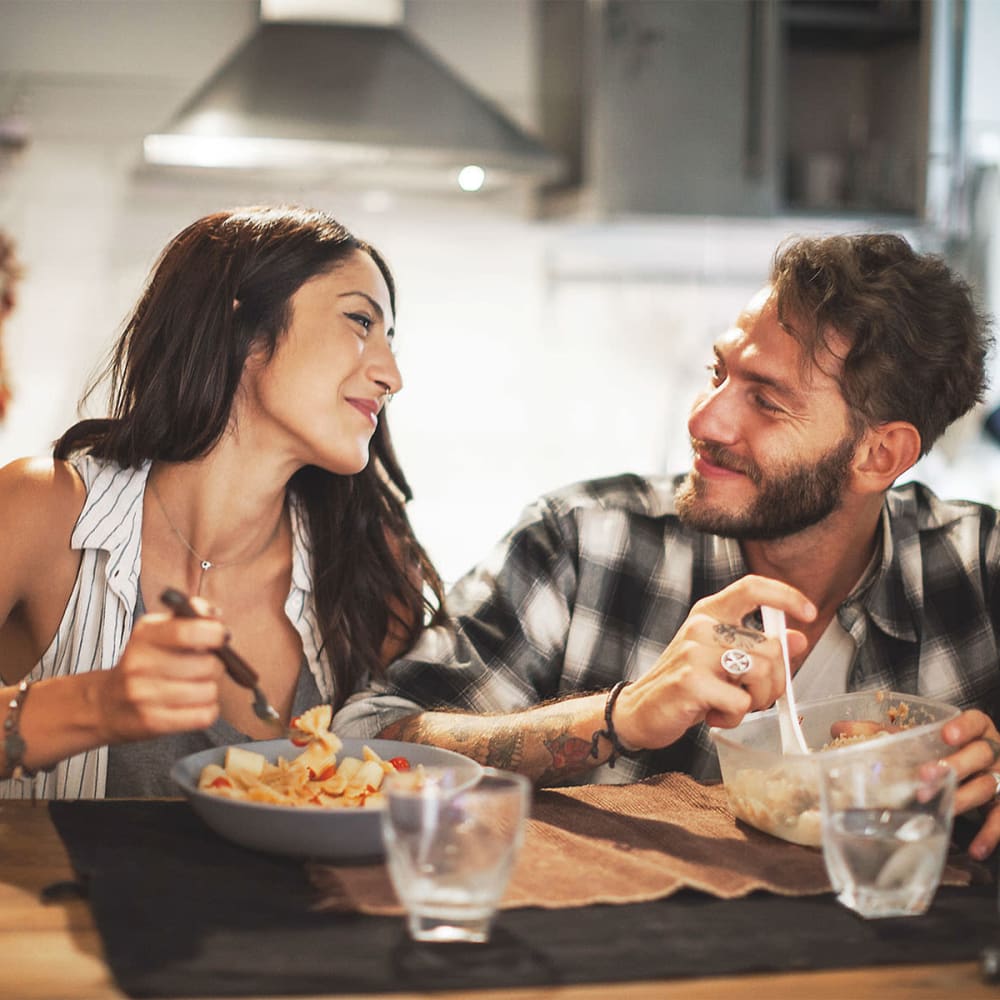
(384, 370)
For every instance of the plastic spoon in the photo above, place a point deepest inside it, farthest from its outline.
(792, 740)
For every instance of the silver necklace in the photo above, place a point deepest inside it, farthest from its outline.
(207, 564)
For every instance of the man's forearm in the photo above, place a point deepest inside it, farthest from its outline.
(547, 744)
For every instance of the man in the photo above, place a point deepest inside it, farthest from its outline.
(836, 378)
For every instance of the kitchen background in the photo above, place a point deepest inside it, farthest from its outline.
(550, 328)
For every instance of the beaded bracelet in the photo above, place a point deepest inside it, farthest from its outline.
(617, 750)
(13, 742)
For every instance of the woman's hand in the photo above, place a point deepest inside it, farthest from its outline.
(688, 683)
(166, 681)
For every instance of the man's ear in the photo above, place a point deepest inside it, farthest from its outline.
(884, 453)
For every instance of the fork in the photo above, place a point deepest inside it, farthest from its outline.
(235, 665)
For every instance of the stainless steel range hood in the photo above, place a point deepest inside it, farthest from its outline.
(362, 102)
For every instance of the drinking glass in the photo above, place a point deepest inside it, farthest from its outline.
(886, 829)
(450, 850)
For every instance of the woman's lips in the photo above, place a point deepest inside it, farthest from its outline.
(367, 407)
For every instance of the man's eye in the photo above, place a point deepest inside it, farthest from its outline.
(766, 405)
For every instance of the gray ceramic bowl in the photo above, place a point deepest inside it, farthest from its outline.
(779, 794)
(324, 834)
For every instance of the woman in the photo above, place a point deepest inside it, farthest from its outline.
(248, 393)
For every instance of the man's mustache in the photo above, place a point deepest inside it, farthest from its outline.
(718, 455)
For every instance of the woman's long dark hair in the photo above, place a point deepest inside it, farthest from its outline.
(221, 288)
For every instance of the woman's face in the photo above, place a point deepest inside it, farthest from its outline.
(320, 395)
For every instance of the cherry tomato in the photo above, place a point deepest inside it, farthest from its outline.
(299, 741)
(220, 782)
(328, 772)
(400, 763)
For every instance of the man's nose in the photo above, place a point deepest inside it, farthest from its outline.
(714, 416)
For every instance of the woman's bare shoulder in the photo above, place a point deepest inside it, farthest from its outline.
(40, 501)
(40, 496)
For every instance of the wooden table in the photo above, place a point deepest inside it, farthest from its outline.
(53, 952)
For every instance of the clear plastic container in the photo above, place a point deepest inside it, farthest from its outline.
(779, 793)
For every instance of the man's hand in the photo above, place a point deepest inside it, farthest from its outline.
(688, 683)
(975, 761)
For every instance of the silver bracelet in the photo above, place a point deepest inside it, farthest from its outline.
(13, 742)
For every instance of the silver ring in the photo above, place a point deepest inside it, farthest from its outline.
(996, 782)
(736, 663)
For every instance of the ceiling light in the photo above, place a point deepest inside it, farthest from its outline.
(471, 178)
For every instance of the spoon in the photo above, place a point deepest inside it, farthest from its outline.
(792, 740)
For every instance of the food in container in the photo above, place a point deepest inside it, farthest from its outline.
(779, 794)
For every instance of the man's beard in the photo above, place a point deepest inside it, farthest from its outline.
(788, 501)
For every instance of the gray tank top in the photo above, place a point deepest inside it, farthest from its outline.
(142, 769)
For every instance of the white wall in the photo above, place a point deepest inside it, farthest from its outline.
(534, 353)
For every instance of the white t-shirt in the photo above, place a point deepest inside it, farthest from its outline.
(824, 672)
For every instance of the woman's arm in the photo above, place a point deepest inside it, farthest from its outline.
(166, 680)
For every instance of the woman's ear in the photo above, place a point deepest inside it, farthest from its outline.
(884, 453)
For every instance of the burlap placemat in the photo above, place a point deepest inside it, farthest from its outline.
(626, 844)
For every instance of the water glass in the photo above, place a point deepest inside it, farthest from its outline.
(450, 850)
(886, 830)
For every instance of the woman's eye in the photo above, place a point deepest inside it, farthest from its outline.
(365, 322)
(715, 373)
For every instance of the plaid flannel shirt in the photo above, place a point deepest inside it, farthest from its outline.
(596, 579)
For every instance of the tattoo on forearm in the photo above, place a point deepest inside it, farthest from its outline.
(569, 755)
(409, 730)
(494, 747)
(545, 751)
(504, 750)
(737, 636)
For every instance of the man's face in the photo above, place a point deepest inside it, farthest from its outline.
(772, 442)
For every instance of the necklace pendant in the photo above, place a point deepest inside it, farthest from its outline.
(205, 565)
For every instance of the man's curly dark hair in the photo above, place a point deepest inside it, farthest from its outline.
(917, 342)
